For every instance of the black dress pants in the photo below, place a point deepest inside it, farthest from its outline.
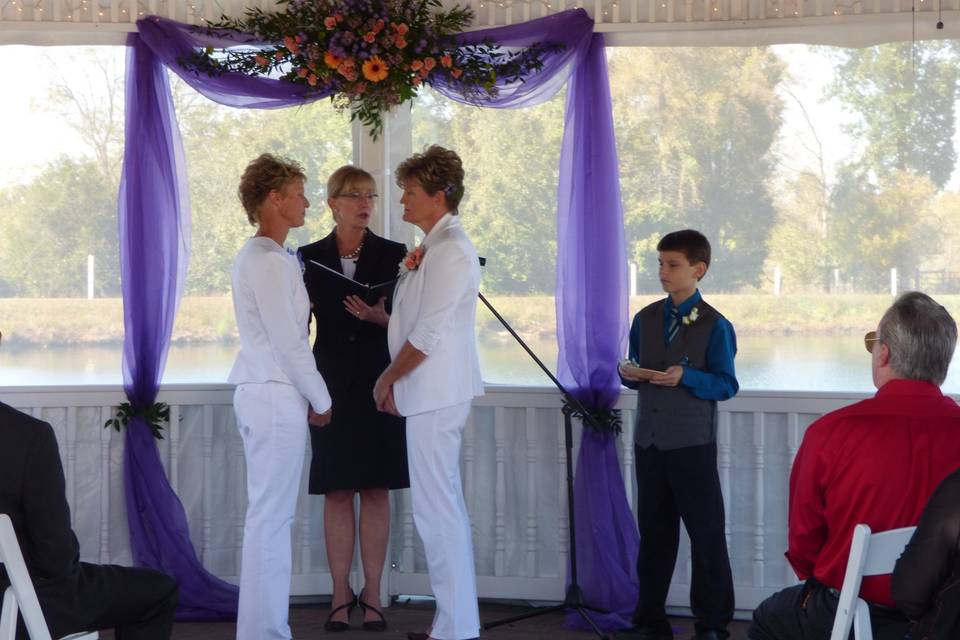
(806, 612)
(682, 484)
(137, 603)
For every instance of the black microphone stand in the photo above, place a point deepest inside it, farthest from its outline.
(571, 407)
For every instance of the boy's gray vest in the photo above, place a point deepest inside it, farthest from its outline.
(672, 417)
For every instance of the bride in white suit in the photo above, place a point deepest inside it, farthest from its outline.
(433, 377)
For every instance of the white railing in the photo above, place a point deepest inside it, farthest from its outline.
(513, 472)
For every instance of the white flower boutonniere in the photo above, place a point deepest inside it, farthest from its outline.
(691, 317)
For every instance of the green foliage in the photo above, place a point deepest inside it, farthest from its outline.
(695, 128)
(879, 227)
(49, 226)
(512, 159)
(904, 96)
(153, 416)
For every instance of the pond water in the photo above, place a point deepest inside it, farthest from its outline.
(778, 363)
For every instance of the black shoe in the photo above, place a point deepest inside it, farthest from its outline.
(372, 625)
(334, 626)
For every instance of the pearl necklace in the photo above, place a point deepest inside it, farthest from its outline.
(353, 255)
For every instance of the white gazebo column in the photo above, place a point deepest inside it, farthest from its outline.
(380, 157)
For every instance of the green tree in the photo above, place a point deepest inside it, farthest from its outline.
(903, 98)
(50, 225)
(695, 130)
(512, 160)
(891, 224)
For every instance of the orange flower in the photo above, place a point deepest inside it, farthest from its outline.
(292, 45)
(417, 80)
(456, 72)
(375, 69)
(402, 29)
(400, 42)
(302, 72)
(330, 22)
(312, 80)
(446, 61)
(331, 60)
(412, 261)
(370, 37)
(416, 65)
(429, 63)
(261, 60)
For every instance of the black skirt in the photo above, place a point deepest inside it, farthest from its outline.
(360, 448)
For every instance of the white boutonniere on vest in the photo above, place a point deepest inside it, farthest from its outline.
(691, 317)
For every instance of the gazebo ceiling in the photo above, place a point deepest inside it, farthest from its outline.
(627, 22)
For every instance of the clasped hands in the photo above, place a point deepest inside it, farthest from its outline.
(319, 419)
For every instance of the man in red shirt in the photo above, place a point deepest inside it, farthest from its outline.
(877, 462)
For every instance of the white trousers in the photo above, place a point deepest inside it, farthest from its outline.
(440, 514)
(272, 419)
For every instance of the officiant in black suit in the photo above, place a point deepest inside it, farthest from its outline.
(361, 450)
(74, 596)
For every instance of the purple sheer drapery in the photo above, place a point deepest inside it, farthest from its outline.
(591, 305)
(591, 294)
(154, 226)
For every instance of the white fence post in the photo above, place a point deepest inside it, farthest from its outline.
(633, 279)
(90, 276)
(893, 281)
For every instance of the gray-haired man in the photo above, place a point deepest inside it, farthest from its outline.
(875, 462)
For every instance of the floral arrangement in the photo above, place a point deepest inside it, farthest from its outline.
(369, 55)
(691, 317)
(411, 262)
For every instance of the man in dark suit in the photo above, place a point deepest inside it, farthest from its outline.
(74, 596)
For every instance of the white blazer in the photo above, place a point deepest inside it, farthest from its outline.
(273, 313)
(435, 309)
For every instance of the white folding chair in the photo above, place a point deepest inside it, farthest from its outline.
(871, 554)
(20, 598)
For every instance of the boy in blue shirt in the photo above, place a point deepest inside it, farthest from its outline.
(676, 441)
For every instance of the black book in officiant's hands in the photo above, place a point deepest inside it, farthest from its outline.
(370, 293)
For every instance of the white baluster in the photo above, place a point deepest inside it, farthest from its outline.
(759, 443)
(629, 459)
(723, 462)
(563, 521)
(531, 425)
(207, 498)
(793, 444)
(105, 438)
(305, 513)
(500, 545)
(70, 442)
(407, 553)
(173, 434)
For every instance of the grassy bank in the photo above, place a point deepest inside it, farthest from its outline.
(57, 321)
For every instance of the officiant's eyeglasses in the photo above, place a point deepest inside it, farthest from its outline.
(357, 197)
(869, 340)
